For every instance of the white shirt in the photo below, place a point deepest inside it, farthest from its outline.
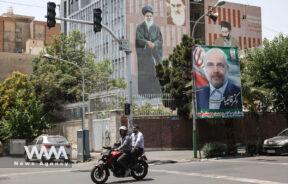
(216, 96)
(138, 140)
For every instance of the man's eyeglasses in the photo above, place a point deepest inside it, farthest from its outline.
(218, 65)
(176, 5)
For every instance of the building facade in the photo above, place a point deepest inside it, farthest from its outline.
(16, 30)
(123, 17)
(245, 21)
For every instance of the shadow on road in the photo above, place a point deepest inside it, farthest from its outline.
(160, 162)
(131, 181)
(86, 170)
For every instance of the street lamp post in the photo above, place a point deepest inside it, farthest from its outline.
(208, 13)
(193, 104)
(83, 95)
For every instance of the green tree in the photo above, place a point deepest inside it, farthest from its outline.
(265, 75)
(57, 82)
(22, 114)
(175, 76)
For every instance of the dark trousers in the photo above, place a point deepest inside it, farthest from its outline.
(136, 152)
(123, 160)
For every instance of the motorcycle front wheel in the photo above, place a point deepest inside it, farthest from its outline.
(99, 175)
(140, 171)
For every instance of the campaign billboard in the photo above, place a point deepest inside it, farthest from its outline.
(217, 82)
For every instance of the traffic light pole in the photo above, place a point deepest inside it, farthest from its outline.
(125, 47)
(129, 78)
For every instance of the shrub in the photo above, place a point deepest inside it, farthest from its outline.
(214, 149)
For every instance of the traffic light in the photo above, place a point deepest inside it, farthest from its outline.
(97, 20)
(51, 14)
(127, 109)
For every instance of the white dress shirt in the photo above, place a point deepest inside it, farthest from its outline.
(137, 140)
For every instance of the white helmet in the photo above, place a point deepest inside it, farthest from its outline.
(123, 128)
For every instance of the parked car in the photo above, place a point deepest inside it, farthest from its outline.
(1, 148)
(277, 144)
(46, 143)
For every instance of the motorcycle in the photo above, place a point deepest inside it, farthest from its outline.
(108, 161)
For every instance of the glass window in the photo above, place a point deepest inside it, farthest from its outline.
(57, 140)
(40, 140)
(34, 141)
(284, 133)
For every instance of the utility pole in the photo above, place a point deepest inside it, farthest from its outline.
(212, 16)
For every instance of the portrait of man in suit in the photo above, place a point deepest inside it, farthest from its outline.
(149, 49)
(176, 12)
(220, 93)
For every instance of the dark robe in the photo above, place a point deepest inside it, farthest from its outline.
(147, 58)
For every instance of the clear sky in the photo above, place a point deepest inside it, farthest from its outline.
(273, 12)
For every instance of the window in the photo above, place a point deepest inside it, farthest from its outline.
(210, 38)
(219, 15)
(238, 16)
(240, 42)
(196, 16)
(234, 18)
(224, 14)
(34, 141)
(40, 140)
(229, 15)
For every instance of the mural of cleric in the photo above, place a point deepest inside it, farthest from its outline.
(149, 48)
(221, 93)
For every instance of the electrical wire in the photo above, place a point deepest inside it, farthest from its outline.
(22, 4)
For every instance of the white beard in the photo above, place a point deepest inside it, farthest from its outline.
(149, 23)
(178, 19)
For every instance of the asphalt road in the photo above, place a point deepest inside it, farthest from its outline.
(260, 170)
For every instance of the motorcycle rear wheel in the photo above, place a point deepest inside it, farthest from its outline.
(99, 175)
(140, 170)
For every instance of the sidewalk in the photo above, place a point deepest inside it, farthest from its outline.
(170, 156)
(157, 157)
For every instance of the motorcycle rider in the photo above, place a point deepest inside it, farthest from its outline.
(125, 147)
(137, 142)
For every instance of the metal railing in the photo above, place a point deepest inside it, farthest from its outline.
(104, 102)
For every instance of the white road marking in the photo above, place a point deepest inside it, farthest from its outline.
(249, 162)
(213, 176)
(31, 173)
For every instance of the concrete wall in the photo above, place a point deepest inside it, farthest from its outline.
(169, 133)
(10, 62)
(69, 129)
(174, 133)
